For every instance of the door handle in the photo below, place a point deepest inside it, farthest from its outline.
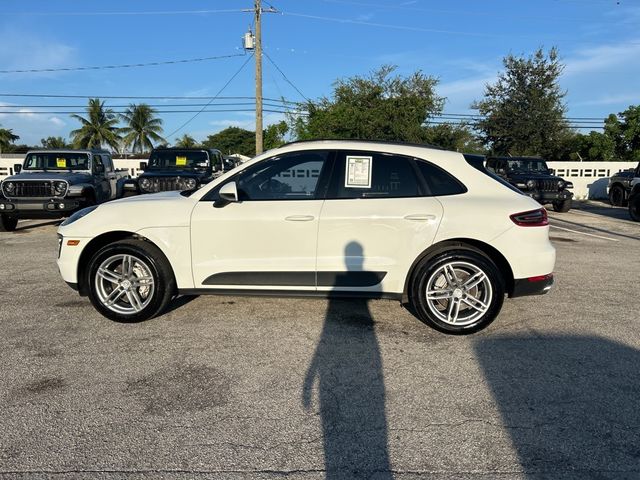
(299, 218)
(420, 217)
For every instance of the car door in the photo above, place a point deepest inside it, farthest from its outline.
(100, 179)
(377, 218)
(111, 177)
(268, 239)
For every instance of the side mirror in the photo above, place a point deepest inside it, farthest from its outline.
(143, 166)
(17, 168)
(229, 192)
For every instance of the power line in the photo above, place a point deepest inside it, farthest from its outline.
(128, 65)
(139, 97)
(95, 14)
(210, 101)
(78, 112)
(285, 77)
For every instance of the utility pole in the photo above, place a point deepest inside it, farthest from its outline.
(252, 42)
(258, 58)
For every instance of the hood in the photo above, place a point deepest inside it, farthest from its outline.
(197, 174)
(150, 197)
(523, 177)
(72, 177)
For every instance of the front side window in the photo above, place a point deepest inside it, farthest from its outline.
(291, 176)
(373, 175)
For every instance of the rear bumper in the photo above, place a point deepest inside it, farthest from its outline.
(539, 285)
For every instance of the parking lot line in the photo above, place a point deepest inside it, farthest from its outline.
(584, 233)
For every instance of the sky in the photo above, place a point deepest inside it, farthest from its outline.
(309, 43)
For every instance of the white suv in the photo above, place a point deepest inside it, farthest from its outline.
(427, 227)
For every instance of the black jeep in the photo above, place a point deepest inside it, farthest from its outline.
(532, 176)
(55, 183)
(178, 169)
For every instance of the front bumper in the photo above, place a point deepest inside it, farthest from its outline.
(539, 285)
(548, 197)
(45, 208)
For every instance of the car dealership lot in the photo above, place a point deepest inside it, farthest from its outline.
(231, 387)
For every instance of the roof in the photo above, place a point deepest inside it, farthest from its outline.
(360, 140)
(67, 150)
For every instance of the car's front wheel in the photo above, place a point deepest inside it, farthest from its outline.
(8, 224)
(634, 208)
(562, 205)
(130, 281)
(617, 196)
(457, 291)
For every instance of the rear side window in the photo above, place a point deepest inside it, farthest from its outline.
(439, 182)
(489, 172)
(373, 175)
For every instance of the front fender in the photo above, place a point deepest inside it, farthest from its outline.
(81, 190)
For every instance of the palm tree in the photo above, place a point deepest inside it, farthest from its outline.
(7, 137)
(98, 129)
(186, 141)
(143, 127)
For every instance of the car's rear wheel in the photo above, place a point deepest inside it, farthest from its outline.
(562, 205)
(457, 291)
(617, 196)
(634, 208)
(130, 281)
(8, 224)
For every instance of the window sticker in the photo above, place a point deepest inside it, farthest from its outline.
(61, 162)
(358, 174)
(181, 161)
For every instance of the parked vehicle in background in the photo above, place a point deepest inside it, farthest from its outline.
(56, 183)
(171, 169)
(634, 200)
(619, 187)
(325, 218)
(533, 177)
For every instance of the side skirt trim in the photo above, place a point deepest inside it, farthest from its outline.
(289, 293)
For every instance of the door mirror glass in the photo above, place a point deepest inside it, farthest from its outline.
(229, 192)
(143, 166)
(99, 168)
(17, 168)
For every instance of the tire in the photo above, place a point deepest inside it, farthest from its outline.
(459, 309)
(8, 224)
(139, 295)
(562, 205)
(617, 196)
(634, 208)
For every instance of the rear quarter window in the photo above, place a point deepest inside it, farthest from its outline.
(439, 183)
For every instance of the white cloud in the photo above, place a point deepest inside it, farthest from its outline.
(602, 58)
(58, 122)
(249, 123)
(19, 51)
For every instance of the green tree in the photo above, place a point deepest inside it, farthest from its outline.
(524, 111)
(98, 129)
(594, 147)
(142, 129)
(457, 137)
(54, 142)
(233, 140)
(624, 130)
(380, 106)
(273, 136)
(7, 137)
(187, 141)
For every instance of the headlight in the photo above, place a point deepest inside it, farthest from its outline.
(9, 187)
(190, 183)
(531, 184)
(60, 188)
(145, 184)
(78, 215)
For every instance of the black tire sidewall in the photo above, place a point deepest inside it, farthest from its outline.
(616, 196)
(429, 265)
(562, 206)
(8, 224)
(634, 208)
(163, 285)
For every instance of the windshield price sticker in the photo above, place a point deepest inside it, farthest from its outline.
(358, 174)
(61, 162)
(181, 161)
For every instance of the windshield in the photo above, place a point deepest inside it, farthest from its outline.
(57, 161)
(178, 159)
(528, 165)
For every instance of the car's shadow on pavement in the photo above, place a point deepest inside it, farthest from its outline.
(570, 403)
(26, 227)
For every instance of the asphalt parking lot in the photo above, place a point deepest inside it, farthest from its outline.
(235, 388)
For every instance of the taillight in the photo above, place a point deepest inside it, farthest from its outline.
(532, 218)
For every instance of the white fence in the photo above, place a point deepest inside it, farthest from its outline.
(589, 179)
